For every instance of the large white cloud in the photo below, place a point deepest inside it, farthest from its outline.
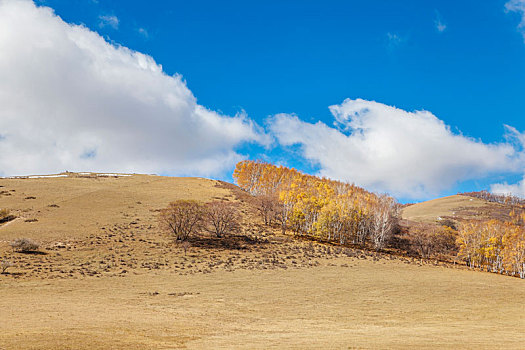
(70, 100)
(409, 154)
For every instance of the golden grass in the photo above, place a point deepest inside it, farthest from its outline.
(365, 305)
(111, 280)
(453, 207)
(74, 207)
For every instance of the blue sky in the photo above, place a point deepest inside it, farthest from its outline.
(462, 61)
(300, 57)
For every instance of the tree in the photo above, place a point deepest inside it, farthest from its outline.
(182, 218)
(384, 221)
(432, 240)
(268, 207)
(318, 207)
(222, 217)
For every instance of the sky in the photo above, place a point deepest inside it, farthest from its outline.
(418, 99)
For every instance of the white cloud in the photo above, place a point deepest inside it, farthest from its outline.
(108, 21)
(519, 7)
(383, 148)
(69, 100)
(517, 189)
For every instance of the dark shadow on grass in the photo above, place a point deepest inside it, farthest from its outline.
(7, 219)
(32, 252)
(11, 274)
(230, 242)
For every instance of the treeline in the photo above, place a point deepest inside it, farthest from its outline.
(335, 211)
(507, 199)
(494, 245)
(320, 208)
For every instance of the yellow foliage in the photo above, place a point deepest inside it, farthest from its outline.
(494, 245)
(310, 205)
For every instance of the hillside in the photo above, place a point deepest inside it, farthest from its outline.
(71, 207)
(457, 208)
(107, 277)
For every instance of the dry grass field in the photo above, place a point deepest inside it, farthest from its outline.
(109, 279)
(454, 207)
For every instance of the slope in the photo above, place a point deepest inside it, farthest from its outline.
(456, 208)
(107, 278)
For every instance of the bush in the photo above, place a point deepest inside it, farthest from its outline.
(222, 217)
(24, 245)
(182, 218)
(448, 223)
(4, 265)
(432, 240)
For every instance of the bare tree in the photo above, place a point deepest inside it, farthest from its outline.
(182, 218)
(222, 217)
(429, 240)
(384, 222)
(268, 207)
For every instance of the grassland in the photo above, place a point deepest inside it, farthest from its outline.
(457, 208)
(110, 280)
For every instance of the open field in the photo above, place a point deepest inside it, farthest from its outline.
(110, 280)
(365, 305)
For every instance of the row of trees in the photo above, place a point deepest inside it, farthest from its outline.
(494, 245)
(339, 212)
(507, 199)
(318, 207)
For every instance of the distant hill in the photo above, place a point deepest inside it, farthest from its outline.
(456, 208)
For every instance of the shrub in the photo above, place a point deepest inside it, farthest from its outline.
(222, 217)
(182, 218)
(448, 223)
(24, 245)
(4, 265)
(432, 240)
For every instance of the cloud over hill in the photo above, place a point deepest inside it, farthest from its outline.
(411, 154)
(69, 100)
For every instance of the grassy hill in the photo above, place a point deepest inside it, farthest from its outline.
(108, 278)
(457, 208)
(75, 206)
